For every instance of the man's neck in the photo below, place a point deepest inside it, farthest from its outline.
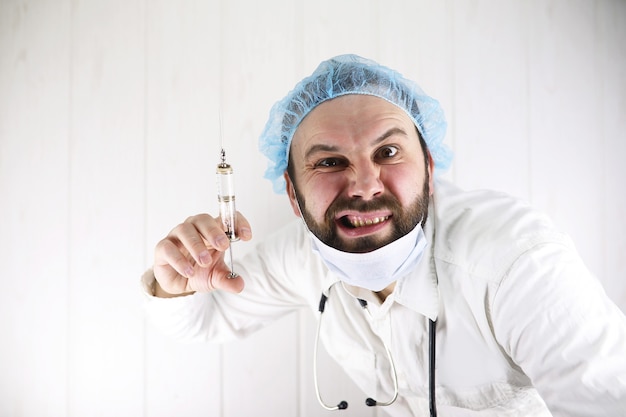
(384, 293)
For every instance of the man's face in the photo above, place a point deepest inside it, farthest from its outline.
(359, 173)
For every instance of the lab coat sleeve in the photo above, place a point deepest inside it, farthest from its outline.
(277, 274)
(556, 322)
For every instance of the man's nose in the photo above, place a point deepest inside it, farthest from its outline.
(365, 181)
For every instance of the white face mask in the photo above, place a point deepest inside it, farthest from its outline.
(377, 269)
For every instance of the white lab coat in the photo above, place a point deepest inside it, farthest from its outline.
(523, 328)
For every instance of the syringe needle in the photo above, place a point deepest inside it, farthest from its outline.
(233, 274)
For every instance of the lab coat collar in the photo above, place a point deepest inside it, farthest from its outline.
(418, 290)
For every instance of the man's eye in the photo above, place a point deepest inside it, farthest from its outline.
(329, 163)
(387, 152)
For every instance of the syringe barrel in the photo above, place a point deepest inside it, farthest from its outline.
(226, 199)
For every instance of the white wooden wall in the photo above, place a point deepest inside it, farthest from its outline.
(109, 137)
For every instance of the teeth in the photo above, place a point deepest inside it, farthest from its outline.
(357, 222)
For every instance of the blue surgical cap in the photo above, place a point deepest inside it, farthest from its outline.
(340, 76)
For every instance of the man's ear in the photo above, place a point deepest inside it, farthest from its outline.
(291, 192)
(431, 173)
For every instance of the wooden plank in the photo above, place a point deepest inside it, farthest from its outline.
(491, 96)
(611, 27)
(259, 372)
(34, 114)
(106, 208)
(182, 45)
(566, 152)
(328, 28)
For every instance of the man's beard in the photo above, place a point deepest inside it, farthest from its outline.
(403, 220)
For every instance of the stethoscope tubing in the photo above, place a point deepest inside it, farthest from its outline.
(432, 336)
(432, 345)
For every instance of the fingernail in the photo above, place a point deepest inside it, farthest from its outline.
(245, 232)
(222, 241)
(204, 257)
(189, 272)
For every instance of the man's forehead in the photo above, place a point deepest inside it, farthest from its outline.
(376, 116)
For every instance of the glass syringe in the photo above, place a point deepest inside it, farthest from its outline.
(226, 200)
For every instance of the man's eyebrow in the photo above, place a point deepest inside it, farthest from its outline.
(390, 132)
(320, 148)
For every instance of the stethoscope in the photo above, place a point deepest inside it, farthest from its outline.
(432, 328)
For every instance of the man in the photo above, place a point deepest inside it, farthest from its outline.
(474, 304)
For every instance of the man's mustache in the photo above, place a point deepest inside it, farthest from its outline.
(385, 202)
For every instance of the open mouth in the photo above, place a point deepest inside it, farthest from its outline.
(355, 222)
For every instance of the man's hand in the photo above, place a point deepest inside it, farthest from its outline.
(191, 257)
